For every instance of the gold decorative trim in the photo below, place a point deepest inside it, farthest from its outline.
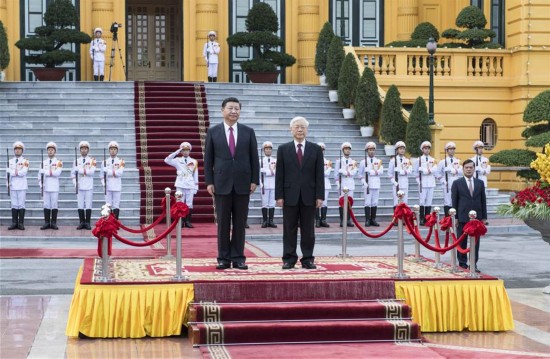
(214, 333)
(212, 312)
(401, 330)
(218, 352)
(393, 309)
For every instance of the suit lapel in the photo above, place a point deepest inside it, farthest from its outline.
(307, 154)
(293, 155)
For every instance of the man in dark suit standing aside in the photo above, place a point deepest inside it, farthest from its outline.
(467, 194)
(231, 168)
(299, 189)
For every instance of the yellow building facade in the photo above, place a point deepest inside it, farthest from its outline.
(478, 93)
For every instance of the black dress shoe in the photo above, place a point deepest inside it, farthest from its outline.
(222, 265)
(239, 265)
(287, 265)
(477, 270)
(309, 265)
(463, 266)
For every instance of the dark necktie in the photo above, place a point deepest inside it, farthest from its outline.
(83, 160)
(426, 159)
(451, 159)
(50, 162)
(185, 160)
(16, 160)
(371, 160)
(231, 142)
(401, 159)
(300, 154)
(112, 161)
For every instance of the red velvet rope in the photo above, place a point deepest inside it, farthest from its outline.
(105, 227)
(156, 222)
(430, 220)
(445, 223)
(364, 231)
(152, 241)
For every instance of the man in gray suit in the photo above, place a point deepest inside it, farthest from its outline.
(299, 189)
(231, 169)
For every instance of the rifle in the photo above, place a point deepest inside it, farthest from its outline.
(262, 175)
(477, 164)
(42, 174)
(76, 171)
(395, 174)
(8, 169)
(104, 170)
(366, 172)
(420, 172)
(340, 174)
(446, 174)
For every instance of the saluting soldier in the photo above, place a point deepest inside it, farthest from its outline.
(267, 174)
(48, 180)
(82, 175)
(370, 174)
(448, 170)
(17, 171)
(424, 169)
(399, 169)
(187, 180)
(483, 168)
(344, 174)
(321, 216)
(112, 170)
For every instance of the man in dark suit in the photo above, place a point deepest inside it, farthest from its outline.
(299, 189)
(467, 194)
(231, 169)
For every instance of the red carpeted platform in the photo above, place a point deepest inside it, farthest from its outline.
(167, 114)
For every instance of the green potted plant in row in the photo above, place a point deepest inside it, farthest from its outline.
(4, 51)
(367, 103)
(347, 86)
(393, 127)
(335, 58)
(321, 49)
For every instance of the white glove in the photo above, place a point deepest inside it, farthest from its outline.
(102, 181)
(41, 171)
(447, 169)
(443, 182)
(425, 171)
(394, 183)
(365, 184)
(338, 184)
(179, 173)
(402, 172)
(206, 59)
(479, 169)
(418, 180)
(195, 191)
(342, 171)
(74, 182)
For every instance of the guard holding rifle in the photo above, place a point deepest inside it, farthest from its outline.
(16, 175)
(321, 216)
(82, 175)
(345, 171)
(112, 170)
(483, 168)
(424, 169)
(370, 171)
(48, 180)
(448, 170)
(399, 170)
(268, 165)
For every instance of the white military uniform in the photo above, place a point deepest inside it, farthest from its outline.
(328, 186)
(425, 169)
(451, 166)
(51, 169)
(98, 47)
(267, 168)
(113, 169)
(18, 168)
(483, 168)
(348, 169)
(85, 180)
(210, 52)
(403, 170)
(187, 180)
(371, 173)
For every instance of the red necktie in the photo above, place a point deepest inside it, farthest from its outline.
(300, 154)
(231, 142)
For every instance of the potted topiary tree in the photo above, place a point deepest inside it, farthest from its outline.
(419, 38)
(367, 103)
(393, 128)
(261, 25)
(347, 84)
(4, 51)
(418, 129)
(61, 19)
(323, 43)
(474, 35)
(335, 58)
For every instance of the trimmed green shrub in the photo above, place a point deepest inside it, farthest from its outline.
(335, 58)
(347, 81)
(418, 129)
(4, 50)
(61, 19)
(367, 99)
(419, 38)
(323, 43)
(261, 24)
(393, 128)
(472, 20)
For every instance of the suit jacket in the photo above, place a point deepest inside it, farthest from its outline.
(464, 202)
(293, 181)
(225, 172)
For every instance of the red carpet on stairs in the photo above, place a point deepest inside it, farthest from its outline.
(167, 114)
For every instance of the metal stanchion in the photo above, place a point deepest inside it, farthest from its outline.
(345, 214)
(472, 258)
(105, 275)
(417, 257)
(437, 258)
(178, 276)
(167, 192)
(452, 213)
(400, 244)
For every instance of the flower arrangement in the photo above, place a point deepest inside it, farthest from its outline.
(533, 202)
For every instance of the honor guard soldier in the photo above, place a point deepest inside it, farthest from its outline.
(399, 170)
(448, 170)
(17, 185)
(370, 173)
(82, 175)
(483, 168)
(97, 53)
(210, 52)
(111, 178)
(267, 175)
(321, 218)
(345, 170)
(187, 180)
(424, 169)
(48, 180)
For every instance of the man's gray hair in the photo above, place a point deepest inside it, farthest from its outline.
(299, 118)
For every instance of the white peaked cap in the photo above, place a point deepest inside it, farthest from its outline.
(370, 145)
(478, 144)
(98, 29)
(186, 145)
(18, 144)
(450, 144)
(212, 33)
(425, 143)
(400, 144)
(114, 144)
(51, 144)
(267, 144)
(84, 144)
(345, 144)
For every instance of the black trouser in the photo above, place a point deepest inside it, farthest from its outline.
(231, 213)
(294, 216)
(463, 258)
